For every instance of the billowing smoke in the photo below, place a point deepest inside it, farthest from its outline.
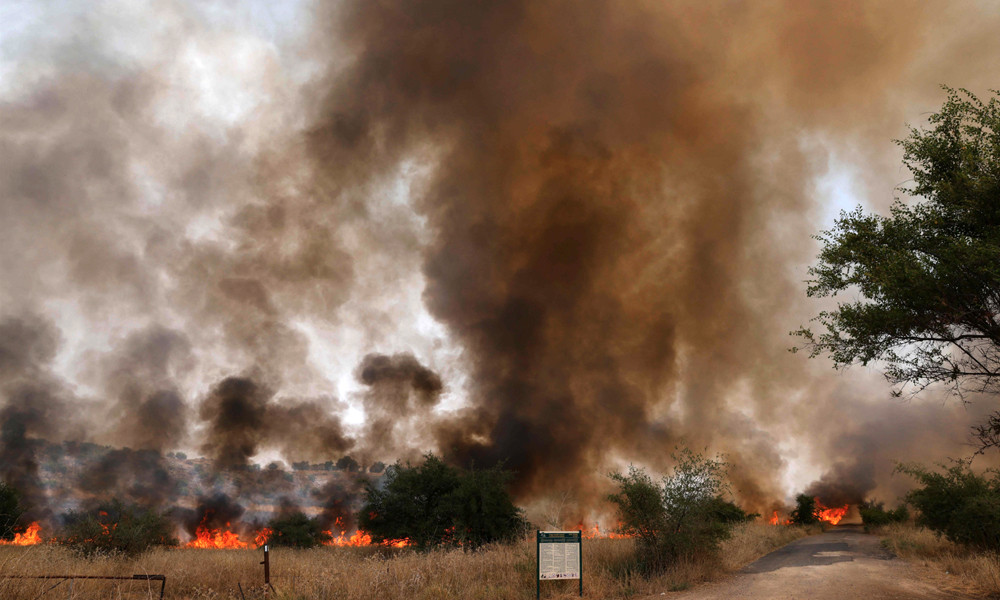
(400, 396)
(558, 236)
(217, 511)
(242, 416)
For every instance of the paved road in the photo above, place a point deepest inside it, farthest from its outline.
(841, 564)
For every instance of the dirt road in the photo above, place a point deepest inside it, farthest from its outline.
(841, 564)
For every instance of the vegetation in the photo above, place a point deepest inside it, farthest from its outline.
(683, 517)
(116, 528)
(927, 276)
(874, 514)
(496, 572)
(434, 504)
(296, 530)
(805, 510)
(971, 568)
(958, 503)
(10, 511)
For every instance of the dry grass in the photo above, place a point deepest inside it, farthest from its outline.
(980, 569)
(497, 573)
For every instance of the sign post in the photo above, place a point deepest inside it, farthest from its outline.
(560, 556)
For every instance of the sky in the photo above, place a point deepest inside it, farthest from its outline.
(565, 236)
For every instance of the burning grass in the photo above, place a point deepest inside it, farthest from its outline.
(354, 573)
(978, 569)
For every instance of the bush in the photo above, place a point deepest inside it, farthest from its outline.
(682, 517)
(10, 511)
(117, 528)
(805, 510)
(296, 530)
(874, 514)
(434, 504)
(958, 503)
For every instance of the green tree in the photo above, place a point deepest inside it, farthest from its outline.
(296, 530)
(683, 516)
(482, 509)
(805, 510)
(926, 277)
(958, 503)
(10, 511)
(116, 527)
(434, 504)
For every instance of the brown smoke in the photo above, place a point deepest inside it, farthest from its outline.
(243, 417)
(401, 393)
(608, 182)
(606, 205)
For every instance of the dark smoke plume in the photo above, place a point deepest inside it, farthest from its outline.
(35, 405)
(401, 393)
(217, 511)
(139, 477)
(243, 417)
(340, 499)
(601, 188)
(605, 207)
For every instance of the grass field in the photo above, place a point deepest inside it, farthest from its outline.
(979, 569)
(500, 572)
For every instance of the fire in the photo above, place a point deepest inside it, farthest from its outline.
(262, 536)
(361, 538)
(216, 539)
(776, 520)
(830, 515)
(593, 533)
(29, 538)
(358, 538)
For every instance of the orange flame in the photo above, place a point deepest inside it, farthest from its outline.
(216, 539)
(776, 520)
(830, 515)
(593, 533)
(29, 538)
(262, 536)
(360, 538)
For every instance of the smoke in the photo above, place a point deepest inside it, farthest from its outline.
(215, 512)
(139, 477)
(400, 397)
(35, 403)
(242, 416)
(562, 237)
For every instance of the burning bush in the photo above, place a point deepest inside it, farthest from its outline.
(958, 503)
(434, 504)
(117, 528)
(686, 516)
(10, 511)
(296, 530)
(874, 514)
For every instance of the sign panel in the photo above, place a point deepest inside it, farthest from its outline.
(559, 555)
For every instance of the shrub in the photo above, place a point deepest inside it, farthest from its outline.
(434, 504)
(482, 509)
(296, 530)
(805, 510)
(958, 503)
(682, 517)
(10, 511)
(874, 514)
(115, 527)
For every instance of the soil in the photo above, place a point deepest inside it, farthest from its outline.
(842, 564)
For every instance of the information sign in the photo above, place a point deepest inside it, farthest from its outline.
(559, 555)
